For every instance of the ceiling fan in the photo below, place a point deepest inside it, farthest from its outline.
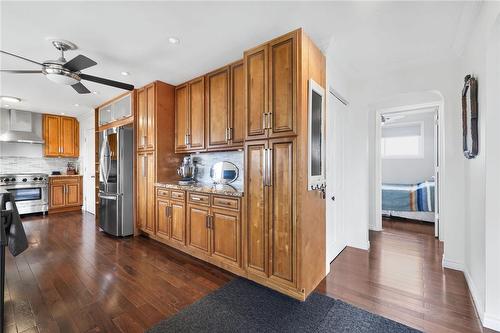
(67, 72)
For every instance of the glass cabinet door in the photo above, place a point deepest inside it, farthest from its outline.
(117, 110)
(316, 153)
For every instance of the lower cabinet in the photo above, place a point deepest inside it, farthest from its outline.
(65, 193)
(207, 226)
(170, 217)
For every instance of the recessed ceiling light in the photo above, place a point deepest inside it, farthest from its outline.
(95, 92)
(76, 104)
(62, 113)
(173, 40)
(125, 73)
(10, 99)
(7, 105)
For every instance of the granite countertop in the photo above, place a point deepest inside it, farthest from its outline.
(203, 187)
(54, 176)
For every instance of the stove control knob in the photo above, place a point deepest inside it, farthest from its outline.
(13, 179)
(25, 180)
(35, 179)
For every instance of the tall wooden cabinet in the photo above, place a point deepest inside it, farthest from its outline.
(285, 222)
(61, 135)
(190, 116)
(155, 159)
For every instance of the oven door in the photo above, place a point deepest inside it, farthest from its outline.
(30, 198)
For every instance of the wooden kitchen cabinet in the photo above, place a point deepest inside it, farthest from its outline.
(225, 235)
(145, 191)
(198, 229)
(65, 193)
(61, 136)
(170, 217)
(271, 88)
(146, 104)
(190, 116)
(225, 90)
(270, 213)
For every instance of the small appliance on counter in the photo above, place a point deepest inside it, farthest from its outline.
(187, 171)
(71, 169)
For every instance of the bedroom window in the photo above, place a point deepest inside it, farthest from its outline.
(403, 141)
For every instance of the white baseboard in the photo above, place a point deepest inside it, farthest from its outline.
(478, 303)
(452, 264)
(375, 228)
(360, 245)
(491, 322)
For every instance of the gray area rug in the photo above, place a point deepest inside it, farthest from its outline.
(243, 306)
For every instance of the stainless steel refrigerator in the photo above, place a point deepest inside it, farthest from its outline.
(116, 151)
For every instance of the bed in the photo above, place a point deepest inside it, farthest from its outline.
(411, 201)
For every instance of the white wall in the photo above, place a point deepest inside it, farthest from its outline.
(347, 161)
(482, 220)
(412, 170)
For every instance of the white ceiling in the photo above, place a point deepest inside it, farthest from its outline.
(368, 37)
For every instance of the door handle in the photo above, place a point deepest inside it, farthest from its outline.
(269, 167)
(333, 198)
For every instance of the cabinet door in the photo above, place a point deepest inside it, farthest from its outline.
(181, 117)
(237, 114)
(142, 118)
(198, 232)
(256, 92)
(178, 221)
(283, 86)
(142, 194)
(150, 125)
(162, 219)
(151, 179)
(145, 191)
(225, 231)
(51, 135)
(218, 108)
(256, 196)
(57, 196)
(197, 114)
(73, 194)
(282, 210)
(69, 137)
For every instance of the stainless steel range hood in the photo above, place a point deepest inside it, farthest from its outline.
(21, 128)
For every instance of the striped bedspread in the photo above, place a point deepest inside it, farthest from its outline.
(408, 198)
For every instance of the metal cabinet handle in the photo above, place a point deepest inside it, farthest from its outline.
(211, 221)
(264, 120)
(230, 133)
(144, 140)
(166, 211)
(269, 167)
(265, 167)
(195, 198)
(207, 223)
(269, 120)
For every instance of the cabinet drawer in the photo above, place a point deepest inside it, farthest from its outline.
(177, 195)
(225, 202)
(64, 180)
(202, 199)
(163, 193)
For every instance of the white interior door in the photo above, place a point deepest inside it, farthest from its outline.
(335, 222)
(89, 171)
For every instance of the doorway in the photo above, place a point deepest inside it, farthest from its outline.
(407, 168)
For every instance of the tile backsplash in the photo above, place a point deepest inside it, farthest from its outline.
(16, 164)
(204, 162)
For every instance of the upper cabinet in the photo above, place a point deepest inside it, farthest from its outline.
(118, 109)
(190, 116)
(61, 135)
(212, 118)
(271, 88)
(146, 117)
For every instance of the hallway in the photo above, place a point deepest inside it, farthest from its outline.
(401, 278)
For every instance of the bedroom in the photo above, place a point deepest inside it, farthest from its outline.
(409, 170)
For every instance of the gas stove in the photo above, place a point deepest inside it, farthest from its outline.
(30, 191)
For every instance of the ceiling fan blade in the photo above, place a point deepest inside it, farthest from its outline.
(78, 63)
(107, 82)
(11, 54)
(80, 88)
(19, 71)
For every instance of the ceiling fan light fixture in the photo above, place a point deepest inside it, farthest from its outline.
(125, 73)
(60, 75)
(173, 40)
(10, 99)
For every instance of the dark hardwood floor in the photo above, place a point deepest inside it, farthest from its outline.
(76, 279)
(401, 278)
